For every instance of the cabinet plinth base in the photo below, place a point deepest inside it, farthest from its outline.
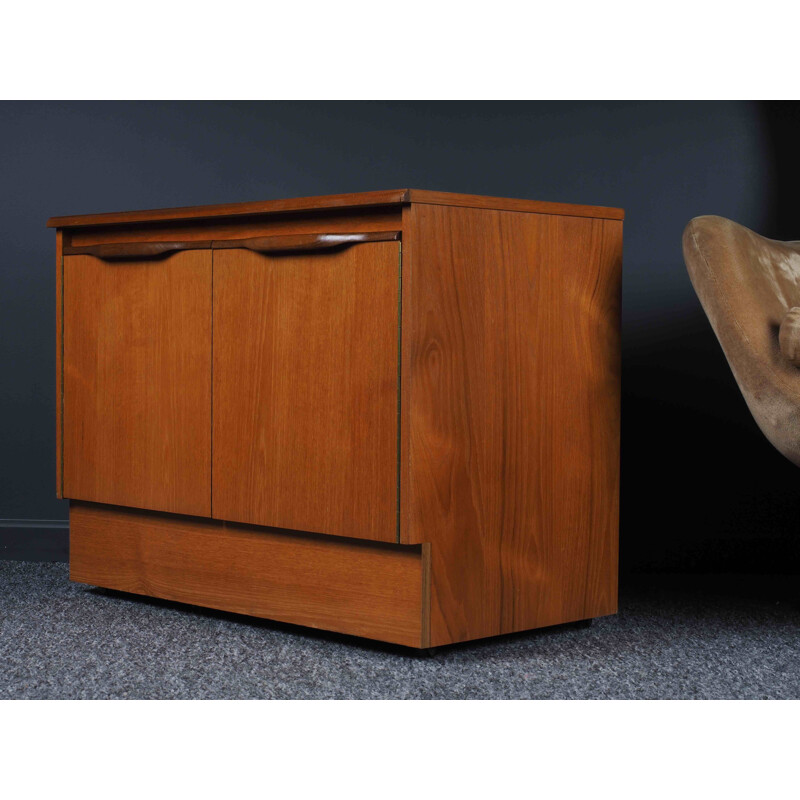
(359, 588)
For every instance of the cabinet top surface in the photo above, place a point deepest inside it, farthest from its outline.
(393, 197)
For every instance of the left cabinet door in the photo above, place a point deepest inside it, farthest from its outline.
(137, 381)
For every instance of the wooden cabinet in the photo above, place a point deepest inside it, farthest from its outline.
(391, 414)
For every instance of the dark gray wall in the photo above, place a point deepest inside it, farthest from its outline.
(701, 488)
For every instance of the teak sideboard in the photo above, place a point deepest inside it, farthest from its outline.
(391, 414)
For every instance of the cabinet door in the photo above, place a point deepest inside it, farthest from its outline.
(306, 389)
(137, 381)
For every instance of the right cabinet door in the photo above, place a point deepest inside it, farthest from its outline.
(305, 389)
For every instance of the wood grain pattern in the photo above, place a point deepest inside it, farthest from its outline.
(513, 204)
(133, 250)
(511, 410)
(306, 390)
(340, 201)
(305, 241)
(363, 589)
(383, 218)
(59, 359)
(137, 382)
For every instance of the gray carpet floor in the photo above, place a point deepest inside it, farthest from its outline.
(695, 637)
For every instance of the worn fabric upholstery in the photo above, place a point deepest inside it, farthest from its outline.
(789, 336)
(749, 287)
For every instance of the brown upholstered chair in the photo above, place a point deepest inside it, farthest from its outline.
(749, 287)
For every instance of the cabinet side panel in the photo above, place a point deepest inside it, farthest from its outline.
(513, 416)
(602, 575)
(59, 360)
